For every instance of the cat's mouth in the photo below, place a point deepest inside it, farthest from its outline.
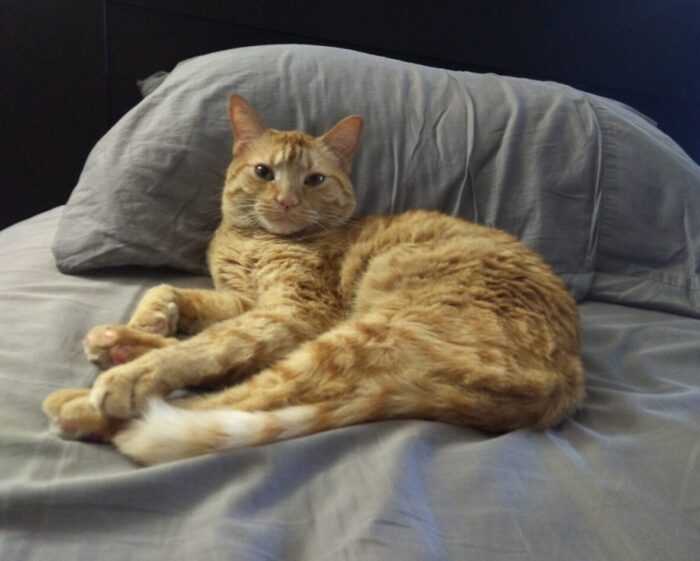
(281, 223)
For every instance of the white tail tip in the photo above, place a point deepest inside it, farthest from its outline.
(167, 433)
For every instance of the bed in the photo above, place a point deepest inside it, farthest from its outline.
(610, 202)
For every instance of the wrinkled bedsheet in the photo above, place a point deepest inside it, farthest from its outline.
(620, 481)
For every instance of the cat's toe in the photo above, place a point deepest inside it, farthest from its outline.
(165, 322)
(159, 319)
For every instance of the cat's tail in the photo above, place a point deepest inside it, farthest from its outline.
(167, 433)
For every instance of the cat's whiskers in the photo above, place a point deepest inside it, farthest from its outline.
(212, 215)
(331, 218)
(316, 222)
(245, 215)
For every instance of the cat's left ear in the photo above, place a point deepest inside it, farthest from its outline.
(245, 123)
(344, 138)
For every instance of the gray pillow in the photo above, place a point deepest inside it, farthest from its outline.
(541, 160)
(648, 236)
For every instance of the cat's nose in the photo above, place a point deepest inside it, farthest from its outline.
(287, 200)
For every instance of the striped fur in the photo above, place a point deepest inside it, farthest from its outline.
(320, 320)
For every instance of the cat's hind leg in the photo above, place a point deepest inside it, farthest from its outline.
(332, 381)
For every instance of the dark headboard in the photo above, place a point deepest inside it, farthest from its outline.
(73, 65)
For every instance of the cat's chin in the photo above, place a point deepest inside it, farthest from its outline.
(282, 226)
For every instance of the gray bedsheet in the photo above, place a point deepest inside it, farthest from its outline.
(621, 481)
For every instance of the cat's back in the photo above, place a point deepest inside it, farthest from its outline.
(424, 235)
(435, 258)
(426, 227)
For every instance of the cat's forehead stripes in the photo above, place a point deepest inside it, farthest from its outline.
(292, 148)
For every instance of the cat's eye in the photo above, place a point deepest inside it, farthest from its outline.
(315, 179)
(264, 172)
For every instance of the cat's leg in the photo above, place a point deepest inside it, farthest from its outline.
(166, 309)
(222, 353)
(162, 312)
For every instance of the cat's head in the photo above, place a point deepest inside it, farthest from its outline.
(286, 181)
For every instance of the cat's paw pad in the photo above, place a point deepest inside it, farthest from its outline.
(109, 345)
(71, 416)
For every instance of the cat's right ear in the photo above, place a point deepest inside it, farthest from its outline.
(344, 138)
(245, 123)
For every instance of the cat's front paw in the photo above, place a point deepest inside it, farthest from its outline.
(122, 392)
(157, 311)
(72, 416)
(109, 345)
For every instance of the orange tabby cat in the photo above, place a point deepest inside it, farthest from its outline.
(319, 321)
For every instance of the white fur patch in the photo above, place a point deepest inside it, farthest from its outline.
(167, 433)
